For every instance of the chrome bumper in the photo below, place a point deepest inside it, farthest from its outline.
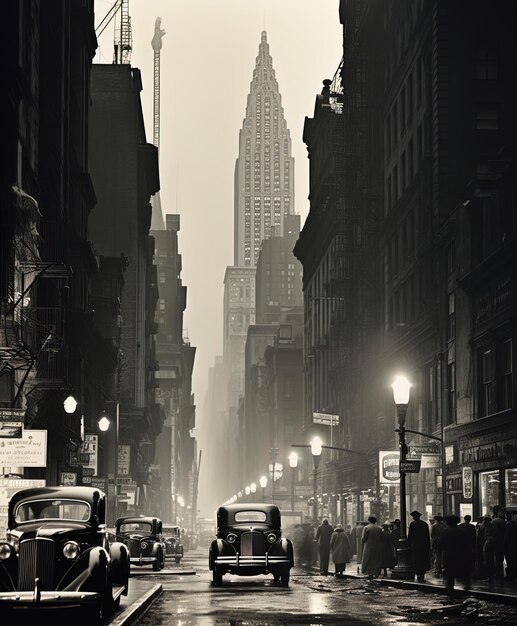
(142, 560)
(265, 561)
(48, 599)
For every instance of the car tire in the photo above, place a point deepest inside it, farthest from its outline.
(284, 577)
(217, 576)
(157, 564)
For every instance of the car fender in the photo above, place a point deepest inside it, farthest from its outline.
(120, 565)
(88, 573)
(216, 548)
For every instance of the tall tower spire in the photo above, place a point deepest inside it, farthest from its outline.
(157, 222)
(264, 170)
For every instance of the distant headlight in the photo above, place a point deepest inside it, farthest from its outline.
(5, 551)
(70, 550)
(231, 538)
(271, 537)
(144, 545)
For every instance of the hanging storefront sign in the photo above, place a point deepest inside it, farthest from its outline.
(68, 478)
(431, 461)
(11, 423)
(124, 458)
(90, 446)
(467, 481)
(30, 450)
(389, 461)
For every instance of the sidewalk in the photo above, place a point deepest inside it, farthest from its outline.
(503, 592)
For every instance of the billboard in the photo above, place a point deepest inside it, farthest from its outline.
(30, 450)
(389, 461)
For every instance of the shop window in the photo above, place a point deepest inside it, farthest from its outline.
(489, 485)
(507, 375)
(510, 486)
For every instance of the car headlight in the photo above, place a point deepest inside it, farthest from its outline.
(231, 538)
(14, 542)
(5, 551)
(70, 550)
(144, 545)
(271, 537)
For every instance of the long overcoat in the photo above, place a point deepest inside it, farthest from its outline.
(456, 552)
(372, 550)
(419, 540)
(340, 546)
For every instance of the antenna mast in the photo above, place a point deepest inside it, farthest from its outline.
(156, 43)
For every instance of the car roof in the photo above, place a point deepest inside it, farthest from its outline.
(137, 518)
(89, 494)
(249, 506)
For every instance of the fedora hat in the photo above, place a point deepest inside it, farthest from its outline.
(415, 514)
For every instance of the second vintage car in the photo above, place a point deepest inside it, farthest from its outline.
(173, 542)
(57, 555)
(249, 542)
(143, 537)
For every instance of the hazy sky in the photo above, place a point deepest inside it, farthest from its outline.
(207, 61)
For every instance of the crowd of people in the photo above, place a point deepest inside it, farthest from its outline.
(450, 548)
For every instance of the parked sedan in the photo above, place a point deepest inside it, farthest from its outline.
(173, 542)
(57, 554)
(249, 542)
(143, 537)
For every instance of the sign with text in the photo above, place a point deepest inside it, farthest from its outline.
(8, 487)
(124, 458)
(389, 467)
(90, 447)
(416, 450)
(68, 478)
(11, 423)
(466, 475)
(12, 415)
(410, 466)
(326, 419)
(30, 450)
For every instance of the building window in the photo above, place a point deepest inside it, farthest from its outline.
(451, 317)
(487, 116)
(487, 64)
(486, 383)
(507, 375)
(451, 393)
(162, 277)
(510, 485)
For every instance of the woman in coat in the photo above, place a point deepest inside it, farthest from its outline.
(372, 548)
(341, 550)
(388, 557)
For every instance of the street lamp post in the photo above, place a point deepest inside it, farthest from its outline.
(293, 464)
(316, 447)
(404, 568)
(263, 484)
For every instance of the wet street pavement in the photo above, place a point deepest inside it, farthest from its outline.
(189, 599)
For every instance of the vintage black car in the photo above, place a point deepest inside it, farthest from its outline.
(249, 542)
(143, 537)
(173, 542)
(57, 554)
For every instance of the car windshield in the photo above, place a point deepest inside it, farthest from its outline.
(171, 531)
(250, 516)
(130, 527)
(74, 510)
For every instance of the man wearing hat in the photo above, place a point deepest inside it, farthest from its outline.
(436, 528)
(419, 541)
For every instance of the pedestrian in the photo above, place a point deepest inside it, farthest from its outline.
(499, 521)
(372, 548)
(420, 543)
(323, 536)
(388, 557)
(470, 531)
(395, 536)
(341, 550)
(454, 544)
(436, 553)
(490, 548)
(510, 547)
(480, 542)
(355, 540)
(307, 542)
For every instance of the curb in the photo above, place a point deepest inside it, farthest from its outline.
(137, 608)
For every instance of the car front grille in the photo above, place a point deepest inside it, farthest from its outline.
(252, 544)
(134, 547)
(36, 560)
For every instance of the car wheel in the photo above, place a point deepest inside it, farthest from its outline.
(217, 576)
(284, 577)
(157, 564)
(276, 578)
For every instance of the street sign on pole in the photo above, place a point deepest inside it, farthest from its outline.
(326, 419)
(410, 466)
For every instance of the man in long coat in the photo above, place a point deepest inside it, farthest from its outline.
(323, 535)
(419, 541)
(456, 550)
(341, 549)
(372, 548)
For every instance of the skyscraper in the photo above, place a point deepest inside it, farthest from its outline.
(263, 197)
(264, 170)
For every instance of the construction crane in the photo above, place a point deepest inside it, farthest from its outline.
(156, 43)
(123, 41)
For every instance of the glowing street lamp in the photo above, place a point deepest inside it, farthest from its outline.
(253, 487)
(104, 424)
(316, 448)
(263, 484)
(70, 405)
